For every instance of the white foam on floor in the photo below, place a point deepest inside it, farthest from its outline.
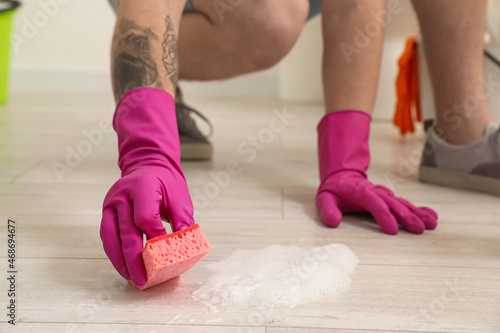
(279, 275)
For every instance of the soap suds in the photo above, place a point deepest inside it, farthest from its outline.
(278, 275)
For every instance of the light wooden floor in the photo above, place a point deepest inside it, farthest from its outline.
(447, 280)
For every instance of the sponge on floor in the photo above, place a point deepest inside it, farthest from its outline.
(170, 255)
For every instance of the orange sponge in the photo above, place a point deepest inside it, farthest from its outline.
(170, 255)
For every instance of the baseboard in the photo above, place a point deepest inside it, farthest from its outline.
(59, 79)
(24, 79)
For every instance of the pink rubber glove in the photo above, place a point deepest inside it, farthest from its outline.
(344, 156)
(152, 186)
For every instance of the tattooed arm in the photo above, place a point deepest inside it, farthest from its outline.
(144, 51)
(152, 187)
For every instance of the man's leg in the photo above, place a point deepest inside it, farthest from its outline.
(351, 58)
(453, 35)
(144, 49)
(463, 148)
(223, 39)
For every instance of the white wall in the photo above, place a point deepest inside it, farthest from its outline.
(79, 33)
(70, 50)
(55, 38)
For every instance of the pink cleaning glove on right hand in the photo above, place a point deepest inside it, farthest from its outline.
(344, 156)
(152, 186)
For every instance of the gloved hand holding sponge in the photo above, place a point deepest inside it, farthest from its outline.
(152, 188)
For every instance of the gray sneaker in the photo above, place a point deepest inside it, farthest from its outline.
(194, 144)
(474, 167)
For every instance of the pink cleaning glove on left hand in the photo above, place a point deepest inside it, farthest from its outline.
(344, 156)
(152, 185)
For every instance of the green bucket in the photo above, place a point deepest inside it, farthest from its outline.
(7, 10)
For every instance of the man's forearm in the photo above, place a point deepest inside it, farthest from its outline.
(144, 49)
(353, 39)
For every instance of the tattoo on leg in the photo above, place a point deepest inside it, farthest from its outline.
(134, 66)
(170, 55)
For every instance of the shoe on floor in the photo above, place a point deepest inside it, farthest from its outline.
(474, 167)
(194, 144)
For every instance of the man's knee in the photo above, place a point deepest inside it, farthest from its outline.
(266, 30)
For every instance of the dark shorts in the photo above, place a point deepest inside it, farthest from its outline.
(315, 7)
